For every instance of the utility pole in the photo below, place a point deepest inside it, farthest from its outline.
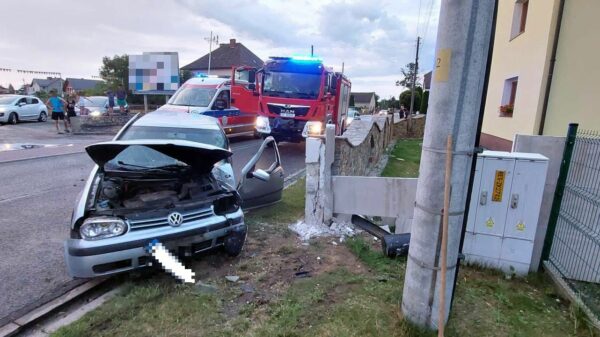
(463, 42)
(414, 79)
(210, 40)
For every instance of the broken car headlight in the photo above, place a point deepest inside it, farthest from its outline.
(102, 228)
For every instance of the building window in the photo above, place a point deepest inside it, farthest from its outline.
(519, 18)
(508, 97)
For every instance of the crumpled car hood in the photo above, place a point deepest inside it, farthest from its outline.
(200, 156)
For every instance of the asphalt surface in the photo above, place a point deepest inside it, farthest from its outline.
(36, 200)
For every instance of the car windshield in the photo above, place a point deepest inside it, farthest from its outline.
(297, 85)
(7, 99)
(95, 101)
(140, 157)
(193, 95)
(213, 137)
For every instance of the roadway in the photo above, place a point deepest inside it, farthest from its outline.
(36, 200)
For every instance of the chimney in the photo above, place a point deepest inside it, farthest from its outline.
(231, 43)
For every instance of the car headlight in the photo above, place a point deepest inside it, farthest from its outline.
(2, 110)
(96, 113)
(102, 228)
(312, 129)
(262, 124)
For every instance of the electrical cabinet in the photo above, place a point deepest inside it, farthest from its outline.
(505, 205)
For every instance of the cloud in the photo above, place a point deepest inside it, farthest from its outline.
(373, 39)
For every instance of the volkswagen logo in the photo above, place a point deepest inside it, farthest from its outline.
(175, 219)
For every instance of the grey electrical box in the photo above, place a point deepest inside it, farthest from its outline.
(505, 206)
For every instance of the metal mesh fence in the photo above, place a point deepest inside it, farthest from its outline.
(575, 247)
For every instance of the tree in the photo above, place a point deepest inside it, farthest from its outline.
(115, 71)
(11, 89)
(351, 100)
(408, 73)
(184, 75)
(376, 100)
(424, 102)
(405, 99)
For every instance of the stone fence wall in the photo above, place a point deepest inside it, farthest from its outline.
(99, 125)
(365, 142)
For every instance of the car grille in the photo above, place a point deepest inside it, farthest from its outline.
(162, 221)
(297, 110)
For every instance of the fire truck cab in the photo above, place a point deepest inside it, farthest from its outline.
(298, 96)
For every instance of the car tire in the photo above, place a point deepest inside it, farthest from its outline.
(43, 116)
(234, 243)
(12, 118)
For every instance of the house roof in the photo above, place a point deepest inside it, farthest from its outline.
(362, 97)
(46, 82)
(82, 84)
(226, 56)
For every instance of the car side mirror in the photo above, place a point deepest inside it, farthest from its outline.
(261, 175)
(251, 76)
(252, 86)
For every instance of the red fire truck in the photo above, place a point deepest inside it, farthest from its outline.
(298, 96)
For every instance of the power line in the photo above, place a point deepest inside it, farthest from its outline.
(428, 19)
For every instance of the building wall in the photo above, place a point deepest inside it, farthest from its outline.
(575, 85)
(525, 56)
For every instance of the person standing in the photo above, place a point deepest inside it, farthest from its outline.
(111, 101)
(70, 110)
(57, 105)
(121, 99)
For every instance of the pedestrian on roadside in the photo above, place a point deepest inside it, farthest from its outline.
(81, 101)
(56, 104)
(111, 101)
(121, 98)
(70, 110)
(403, 112)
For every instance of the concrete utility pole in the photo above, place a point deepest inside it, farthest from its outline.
(414, 79)
(463, 40)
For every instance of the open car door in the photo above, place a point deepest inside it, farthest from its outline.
(262, 186)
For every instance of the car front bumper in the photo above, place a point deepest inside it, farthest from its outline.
(87, 259)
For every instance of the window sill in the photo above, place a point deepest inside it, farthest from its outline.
(516, 36)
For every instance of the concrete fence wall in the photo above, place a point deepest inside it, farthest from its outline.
(362, 146)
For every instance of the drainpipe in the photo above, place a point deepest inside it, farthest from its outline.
(551, 68)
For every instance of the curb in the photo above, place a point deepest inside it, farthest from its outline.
(40, 157)
(18, 324)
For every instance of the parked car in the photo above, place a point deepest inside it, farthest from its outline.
(98, 106)
(352, 115)
(168, 176)
(383, 112)
(16, 108)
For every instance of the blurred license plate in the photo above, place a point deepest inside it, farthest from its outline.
(288, 114)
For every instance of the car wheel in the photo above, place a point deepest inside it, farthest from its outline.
(43, 116)
(234, 243)
(12, 118)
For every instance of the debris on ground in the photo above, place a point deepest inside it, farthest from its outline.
(247, 288)
(302, 274)
(205, 288)
(336, 229)
(232, 278)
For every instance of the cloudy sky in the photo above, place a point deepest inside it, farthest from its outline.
(374, 39)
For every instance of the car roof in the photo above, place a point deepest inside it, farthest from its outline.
(177, 119)
(216, 81)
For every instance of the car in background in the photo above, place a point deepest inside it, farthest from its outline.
(383, 112)
(352, 115)
(98, 105)
(166, 176)
(16, 108)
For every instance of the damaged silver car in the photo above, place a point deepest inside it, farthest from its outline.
(167, 176)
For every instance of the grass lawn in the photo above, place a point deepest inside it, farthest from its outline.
(404, 159)
(351, 290)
